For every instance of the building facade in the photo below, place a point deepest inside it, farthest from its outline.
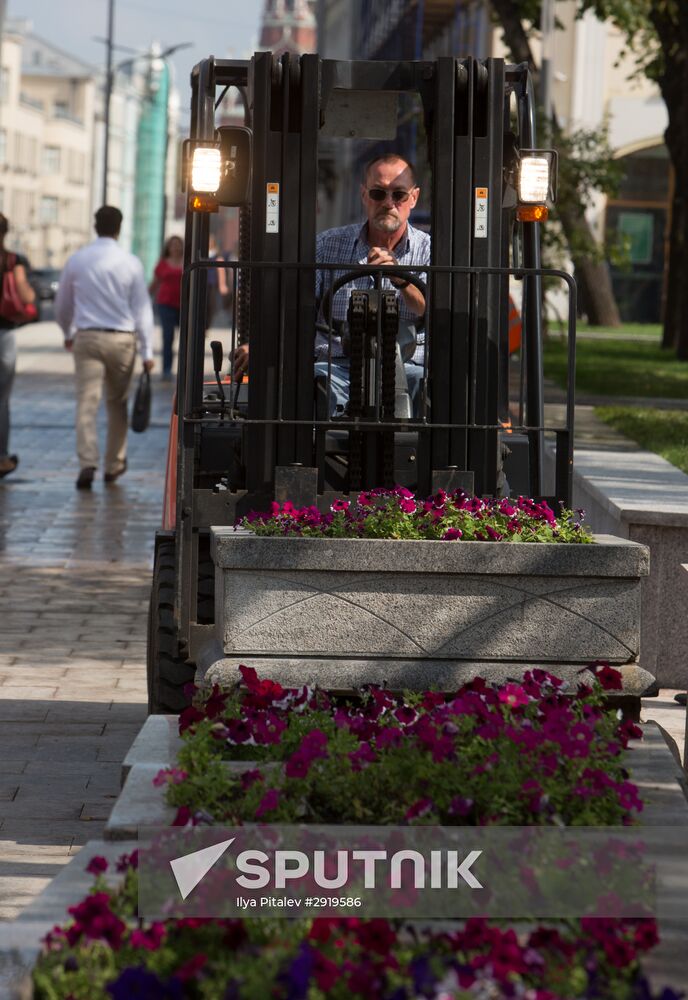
(47, 112)
(52, 143)
(288, 26)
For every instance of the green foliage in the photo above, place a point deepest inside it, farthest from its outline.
(662, 431)
(623, 367)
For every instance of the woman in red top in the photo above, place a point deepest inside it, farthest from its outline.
(166, 289)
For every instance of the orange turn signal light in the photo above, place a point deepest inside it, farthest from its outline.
(532, 213)
(201, 202)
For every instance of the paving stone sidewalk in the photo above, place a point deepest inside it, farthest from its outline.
(74, 584)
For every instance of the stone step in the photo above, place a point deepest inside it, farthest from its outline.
(20, 941)
(158, 742)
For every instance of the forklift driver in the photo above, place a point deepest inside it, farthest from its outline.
(389, 193)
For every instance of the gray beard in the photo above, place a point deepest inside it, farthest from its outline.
(388, 223)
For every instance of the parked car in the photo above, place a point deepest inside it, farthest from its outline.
(44, 281)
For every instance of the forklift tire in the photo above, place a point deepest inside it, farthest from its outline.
(168, 671)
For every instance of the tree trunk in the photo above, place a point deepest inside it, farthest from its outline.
(678, 269)
(671, 24)
(676, 266)
(592, 276)
(596, 292)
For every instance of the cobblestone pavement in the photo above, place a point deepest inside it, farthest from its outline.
(74, 583)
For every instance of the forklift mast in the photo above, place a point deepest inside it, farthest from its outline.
(479, 118)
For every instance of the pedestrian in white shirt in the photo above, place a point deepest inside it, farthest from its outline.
(103, 306)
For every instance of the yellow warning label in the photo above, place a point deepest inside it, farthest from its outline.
(273, 188)
(481, 192)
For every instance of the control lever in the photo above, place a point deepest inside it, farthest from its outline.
(238, 379)
(216, 348)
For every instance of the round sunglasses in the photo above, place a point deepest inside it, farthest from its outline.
(398, 195)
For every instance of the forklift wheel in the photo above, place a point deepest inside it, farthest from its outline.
(168, 672)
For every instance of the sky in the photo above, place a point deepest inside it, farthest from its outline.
(223, 28)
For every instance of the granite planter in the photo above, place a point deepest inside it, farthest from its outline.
(422, 614)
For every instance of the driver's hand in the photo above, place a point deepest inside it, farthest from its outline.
(240, 361)
(380, 256)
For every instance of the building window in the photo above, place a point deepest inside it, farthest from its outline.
(51, 159)
(3, 145)
(4, 85)
(48, 212)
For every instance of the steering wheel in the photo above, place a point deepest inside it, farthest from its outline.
(374, 272)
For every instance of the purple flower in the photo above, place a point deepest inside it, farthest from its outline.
(297, 977)
(128, 861)
(140, 984)
(451, 534)
(313, 746)
(268, 803)
(149, 939)
(513, 695)
(405, 715)
(362, 757)
(420, 808)
(240, 731)
(97, 865)
(388, 737)
(170, 776)
(249, 778)
(460, 806)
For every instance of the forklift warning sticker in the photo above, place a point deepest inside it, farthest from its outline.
(272, 208)
(480, 224)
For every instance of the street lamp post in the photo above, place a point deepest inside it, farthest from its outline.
(108, 95)
(109, 84)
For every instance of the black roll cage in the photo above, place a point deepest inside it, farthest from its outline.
(469, 106)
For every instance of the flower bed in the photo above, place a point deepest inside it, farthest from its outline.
(98, 955)
(521, 754)
(384, 751)
(446, 516)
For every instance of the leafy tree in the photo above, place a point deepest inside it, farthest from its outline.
(586, 165)
(656, 33)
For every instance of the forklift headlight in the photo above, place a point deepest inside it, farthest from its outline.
(533, 180)
(206, 169)
(536, 176)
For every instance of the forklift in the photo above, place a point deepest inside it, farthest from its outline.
(480, 425)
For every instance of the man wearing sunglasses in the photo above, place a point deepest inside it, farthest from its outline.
(388, 193)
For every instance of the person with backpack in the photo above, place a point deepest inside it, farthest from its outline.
(16, 293)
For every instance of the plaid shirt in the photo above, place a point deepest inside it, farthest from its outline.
(349, 245)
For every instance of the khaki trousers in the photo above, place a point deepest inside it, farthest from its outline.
(103, 357)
